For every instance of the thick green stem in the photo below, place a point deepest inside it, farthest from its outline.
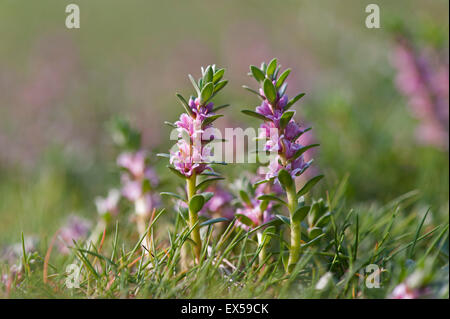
(294, 251)
(193, 217)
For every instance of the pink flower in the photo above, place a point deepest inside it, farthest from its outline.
(283, 101)
(402, 291)
(290, 148)
(133, 162)
(294, 167)
(264, 109)
(134, 180)
(200, 110)
(192, 126)
(281, 138)
(189, 158)
(425, 85)
(108, 204)
(274, 167)
(292, 130)
(131, 189)
(252, 210)
(270, 132)
(192, 153)
(75, 229)
(257, 217)
(219, 205)
(145, 204)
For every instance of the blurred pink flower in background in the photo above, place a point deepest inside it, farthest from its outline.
(109, 204)
(39, 112)
(404, 291)
(422, 77)
(138, 181)
(220, 204)
(76, 228)
(253, 211)
(12, 254)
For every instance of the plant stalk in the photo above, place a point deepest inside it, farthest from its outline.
(193, 217)
(294, 250)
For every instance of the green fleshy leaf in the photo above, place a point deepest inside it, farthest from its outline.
(275, 74)
(185, 104)
(163, 155)
(207, 196)
(316, 211)
(295, 99)
(254, 114)
(300, 214)
(271, 67)
(272, 198)
(282, 89)
(214, 221)
(257, 73)
(202, 185)
(303, 150)
(269, 91)
(244, 219)
(194, 84)
(282, 78)
(206, 93)
(302, 132)
(219, 86)
(263, 181)
(196, 203)
(253, 91)
(312, 241)
(263, 67)
(263, 206)
(218, 75)
(170, 124)
(313, 181)
(284, 219)
(314, 232)
(214, 110)
(208, 120)
(285, 179)
(285, 118)
(175, 171)
(245, 197)
(269, 232)
(184, 213)
(208, 77)
(323, 220)
(307, 165)
(209, 173)
(170, 194)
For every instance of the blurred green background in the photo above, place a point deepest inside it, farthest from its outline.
(59, 88)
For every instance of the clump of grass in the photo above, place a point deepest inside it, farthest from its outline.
(388, 237)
